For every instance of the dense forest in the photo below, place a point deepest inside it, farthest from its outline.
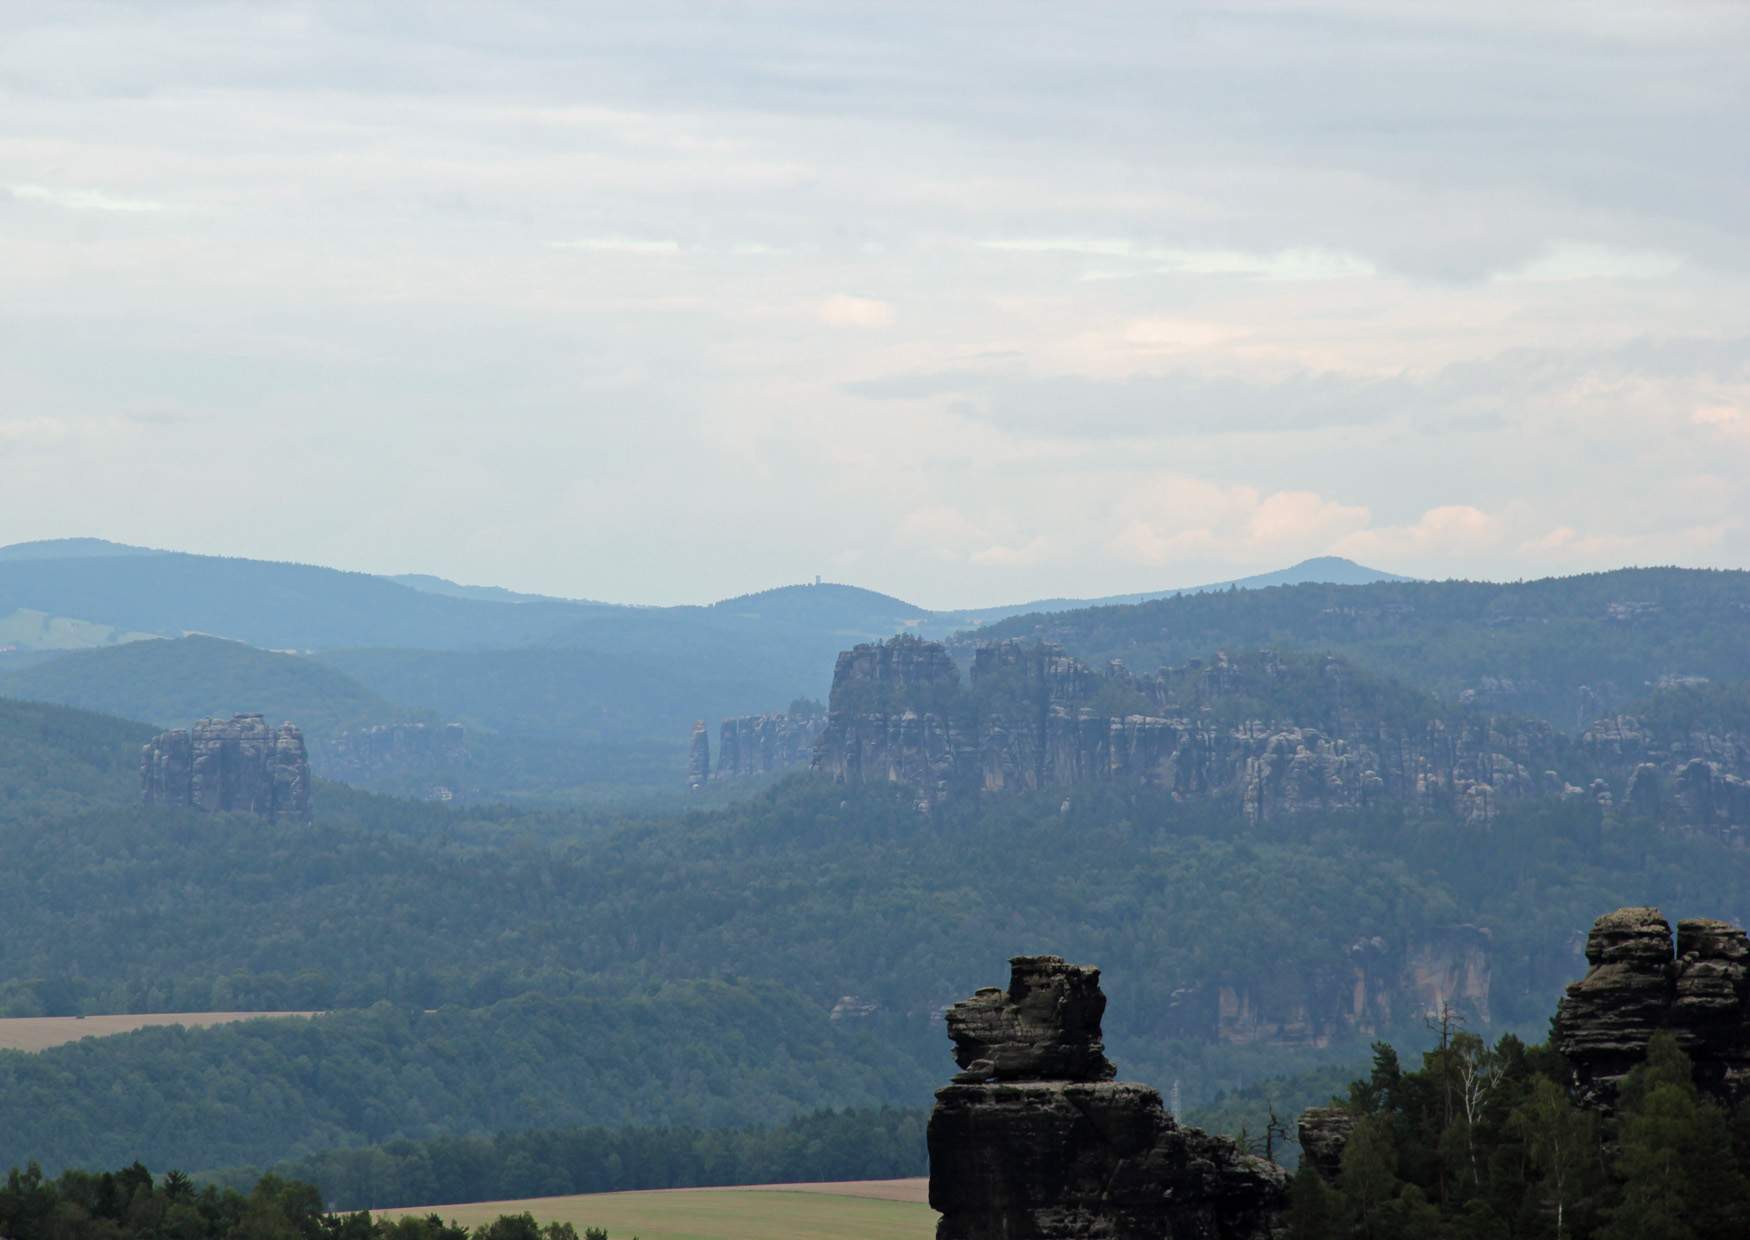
(852, 1144)
(1484, 1142)
(488, 967)
(131, 1204)
(703, 1053)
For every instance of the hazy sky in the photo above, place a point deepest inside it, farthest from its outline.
(966, 302)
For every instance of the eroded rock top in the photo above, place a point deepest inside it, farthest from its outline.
(1045, 1027)
(1637, 986)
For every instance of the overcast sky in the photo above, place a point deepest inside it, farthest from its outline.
(965, 302)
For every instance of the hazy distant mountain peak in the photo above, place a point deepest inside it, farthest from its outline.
(71, 549)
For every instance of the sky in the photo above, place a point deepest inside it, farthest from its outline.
(968, 303)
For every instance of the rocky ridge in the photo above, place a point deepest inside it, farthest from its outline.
(1274, 736)
(1034, 1141)
(751, 745)
(229, 765)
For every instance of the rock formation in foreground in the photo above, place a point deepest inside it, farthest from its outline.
(1636, 986)
(236, 764)
(1035, 1141)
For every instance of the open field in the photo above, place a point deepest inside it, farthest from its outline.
(859, 1210)
(37, 1033)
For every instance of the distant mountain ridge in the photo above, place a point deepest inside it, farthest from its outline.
(129, 591)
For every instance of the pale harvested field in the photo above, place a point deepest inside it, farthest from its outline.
(856, 1210)
(37, 1033)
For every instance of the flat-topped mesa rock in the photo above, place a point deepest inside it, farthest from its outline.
(1034, 1141)
(222, 765)
(1636, 986)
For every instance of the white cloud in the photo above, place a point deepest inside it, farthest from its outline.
(1033, 551)
(1288, 264)
(843, 310)
(619, 245)
(83, 199)
(1444, 533)
(1579, 261)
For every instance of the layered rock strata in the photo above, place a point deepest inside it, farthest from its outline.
(760, 744)
(1033, 1141)
(1637, 986)
(1032, 717)
(221, 765)
(1323, 1133)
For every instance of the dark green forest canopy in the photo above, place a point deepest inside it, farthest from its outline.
(132, 1203)
(1486, 1141)
(705, 1053)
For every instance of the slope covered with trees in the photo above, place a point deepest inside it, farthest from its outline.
(1526, 645)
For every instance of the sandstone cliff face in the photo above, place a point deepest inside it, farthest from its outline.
(1381, 984)
(761, 744)
(236, 764)
(1033, 1141)
(1637, 986)
(432, 755)
(1031, 717)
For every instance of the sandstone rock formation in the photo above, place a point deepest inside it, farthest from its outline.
(699, 757)
(236, 764)
(761, 744)
(1045, 1026)
(1380, 984)
(1323, 1133)
(398, 756)
(1326, 739)
(1636, 986)
(1034, 1142)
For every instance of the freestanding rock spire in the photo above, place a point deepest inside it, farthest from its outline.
(1034, 1141)
(699, 757)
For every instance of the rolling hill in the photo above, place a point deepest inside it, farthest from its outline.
(172, 682)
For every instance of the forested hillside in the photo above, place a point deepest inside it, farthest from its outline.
(56, 761)
(170, 683)
(1526, 646)
(703, 1053)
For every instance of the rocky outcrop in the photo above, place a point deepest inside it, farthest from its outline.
(760, 744)
(1636, 986)
(1380, 984)
(1033, 717)
(229, 765)
(400, 756)
(1046, 1026)
(1323, 1133)
(898, 714)
(699, 757)
(1020, 1152)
